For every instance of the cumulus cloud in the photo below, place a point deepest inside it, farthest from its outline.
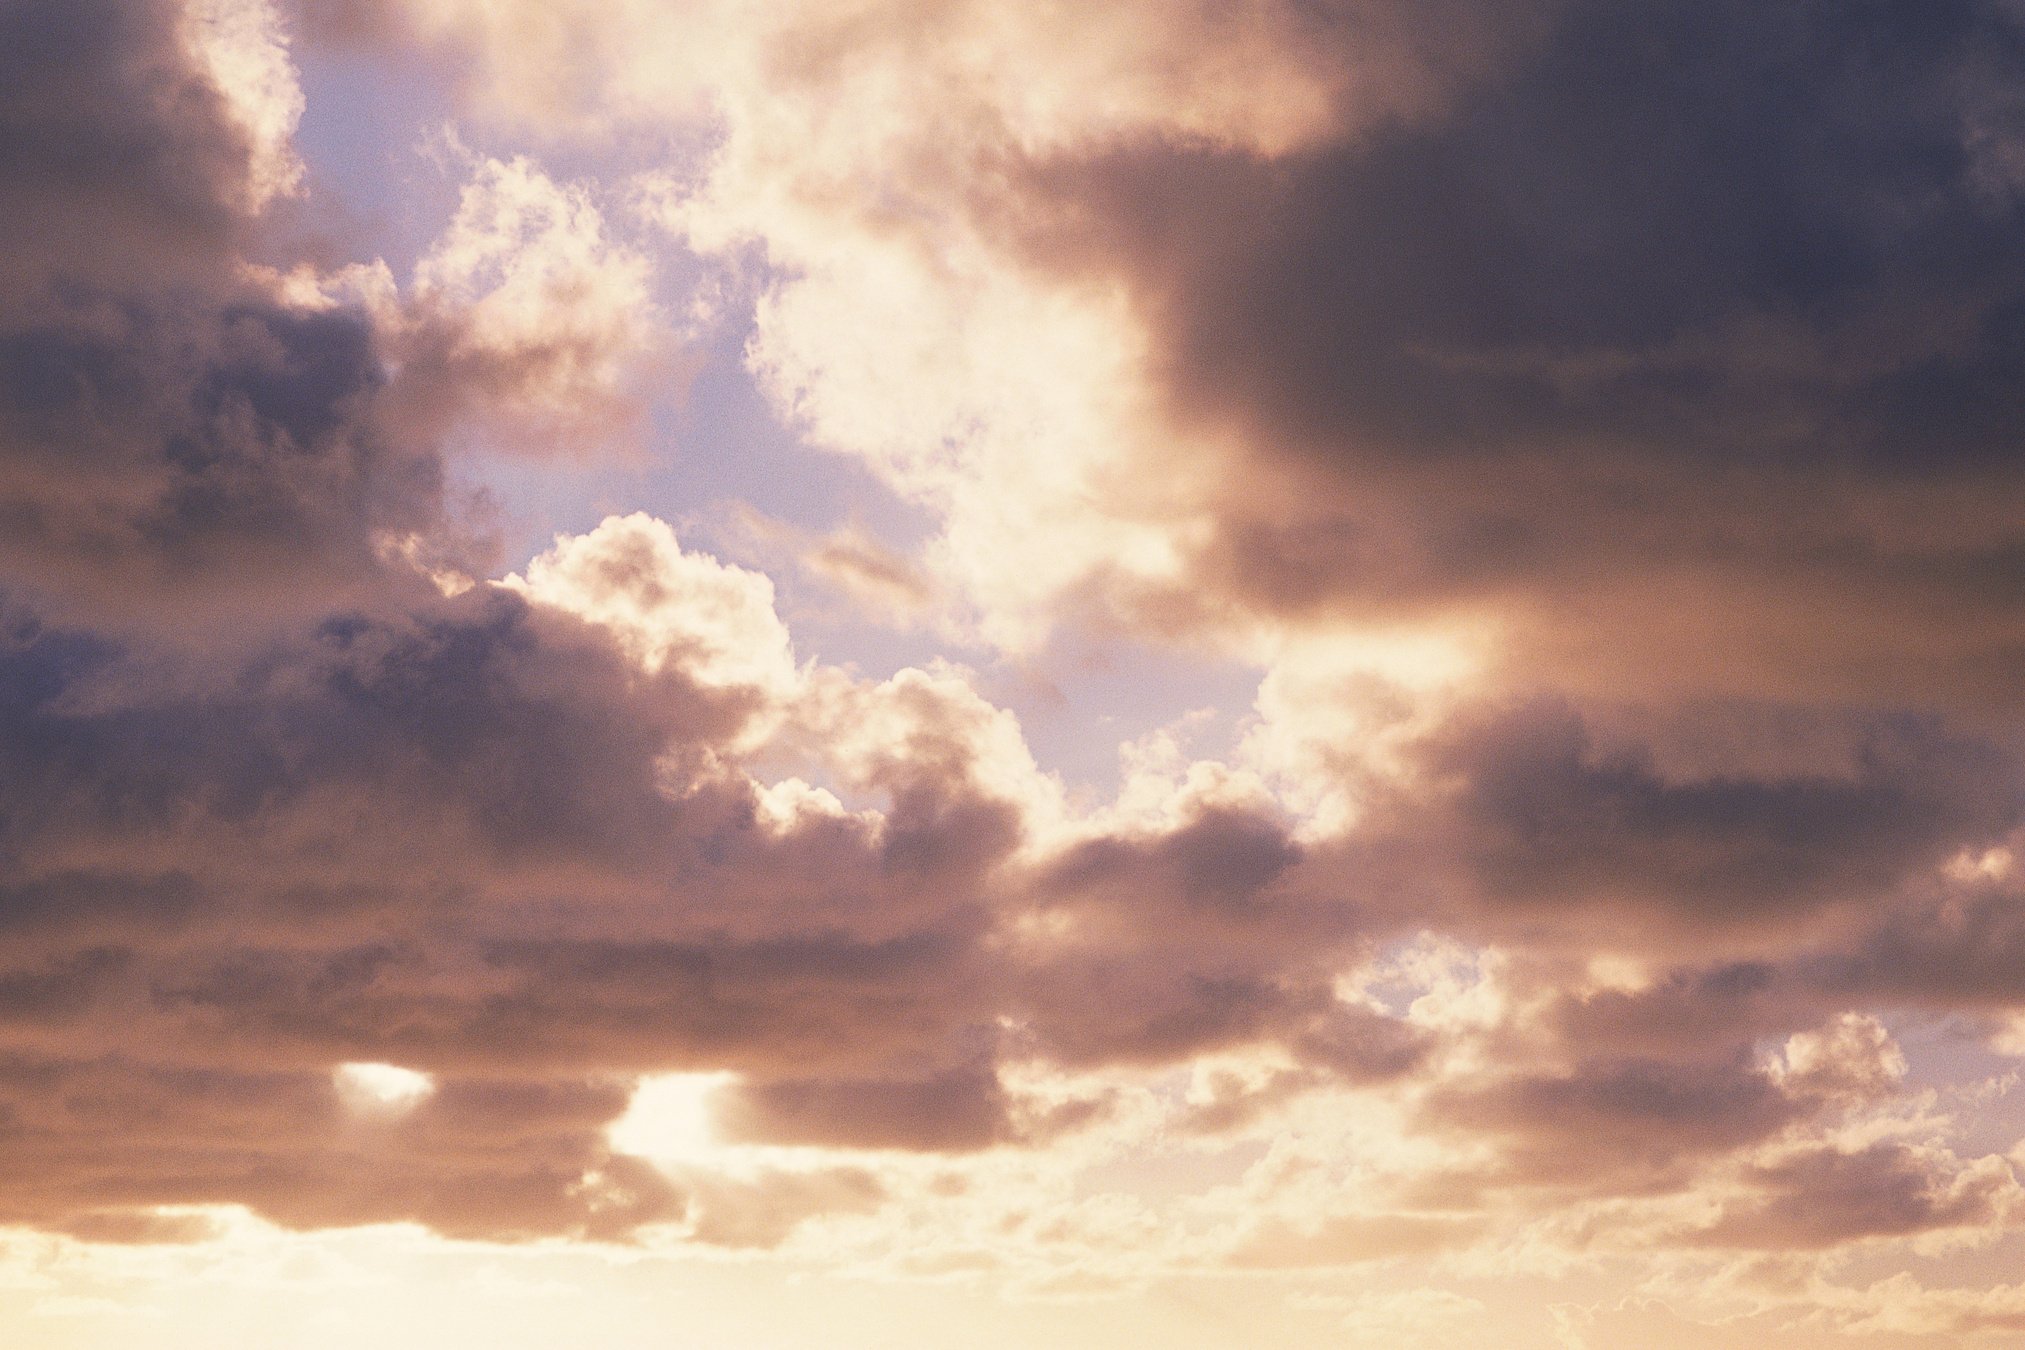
(1422, 338)
(527, 319)
(667, 607)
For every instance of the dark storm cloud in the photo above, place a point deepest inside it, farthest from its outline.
(118, 163)
(1649, 172)
(178, 443)
(176, 458)
(474, 721)
(1705, 310)
(174, 444)
(390, 775)
(1763, 901)
(814, 999)
(441, 841)
(1222, 862)
(1519, 812)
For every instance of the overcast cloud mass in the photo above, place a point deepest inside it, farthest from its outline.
(1006, 674)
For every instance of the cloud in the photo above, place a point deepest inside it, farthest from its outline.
(174, 433)
(244, 48)
(512, 839)
(1618, 1122)
(961, 1108)
(124, 162)
(213, 900)
(1592, 428)
(1736, 349)
(1826, 1197)
(666, 607)
(1424, 339)
(527, 321)
(874, 188)
(880, 583)
(1520, 808)
(226, 455)
(1354, 1240)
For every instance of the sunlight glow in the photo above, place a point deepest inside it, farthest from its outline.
(672, 1118)
(381, 1089)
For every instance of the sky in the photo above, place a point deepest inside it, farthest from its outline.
(680, 674)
